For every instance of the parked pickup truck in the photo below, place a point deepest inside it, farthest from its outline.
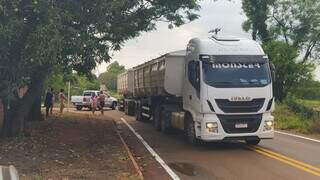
(84, 101)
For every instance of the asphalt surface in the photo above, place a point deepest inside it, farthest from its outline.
(283, 157)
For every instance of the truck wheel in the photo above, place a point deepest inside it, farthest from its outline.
(79, 108)
(114, 104)
(164, 116)
(138, 112)
(191, 133)
(157, 119)
(253, 141)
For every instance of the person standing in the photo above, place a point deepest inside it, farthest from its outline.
(62, 99)
(48, 103)
(93, 103)
(102, 98)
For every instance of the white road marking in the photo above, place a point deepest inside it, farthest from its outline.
(173, 175)
(302, 137)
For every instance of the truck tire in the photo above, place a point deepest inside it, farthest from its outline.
(165, 117)
(79, 108)
(253, 141)
(131, 108)
(191, 131)
(114, 105)
(157, 119)
(138, 112)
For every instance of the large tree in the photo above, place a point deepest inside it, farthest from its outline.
(298, 23)
(257, 12)
(109, 78)
(38, 35)
(294, 21)
(289, 31)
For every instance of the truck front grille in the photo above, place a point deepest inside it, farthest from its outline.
(229, 123)
(240, 106)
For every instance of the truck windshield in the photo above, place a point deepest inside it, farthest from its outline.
(228, 75)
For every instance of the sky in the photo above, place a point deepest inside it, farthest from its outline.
(149, 45)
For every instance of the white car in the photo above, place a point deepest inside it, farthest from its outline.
(85, 101)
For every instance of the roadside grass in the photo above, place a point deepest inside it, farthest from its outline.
(286, 119)
(299, 115)
(314, 104)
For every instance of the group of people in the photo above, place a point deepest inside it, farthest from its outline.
(50, 98)
(98, 101)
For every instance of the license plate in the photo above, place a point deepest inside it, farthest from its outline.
(241, 125)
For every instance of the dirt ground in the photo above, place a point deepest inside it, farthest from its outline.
(72, 146)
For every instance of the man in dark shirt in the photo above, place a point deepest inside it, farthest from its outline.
(48, 103)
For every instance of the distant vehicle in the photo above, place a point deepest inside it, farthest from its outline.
(216, 89)
(84, 101)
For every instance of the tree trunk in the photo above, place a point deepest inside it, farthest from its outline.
(35, 113)
(5, 131)
(19, 111)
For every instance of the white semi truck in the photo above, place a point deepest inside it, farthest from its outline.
(216, 89)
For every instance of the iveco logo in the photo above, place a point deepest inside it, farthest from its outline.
(240, 98)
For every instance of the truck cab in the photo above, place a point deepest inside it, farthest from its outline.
(227, 90)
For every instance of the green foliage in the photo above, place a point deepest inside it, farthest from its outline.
(79, 83)
(299, 108)
(313, 104)
(37, 35)
(109, 78)
(287, 120)
(257, 12)
(299, 115)
(114, 94)
(289, 72)
(294, 21)
(308, 90)
(288, 29)
(298, 23)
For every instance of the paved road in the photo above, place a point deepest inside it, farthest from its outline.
(284, 157)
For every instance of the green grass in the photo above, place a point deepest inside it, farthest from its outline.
(314, 104)
(286, 119)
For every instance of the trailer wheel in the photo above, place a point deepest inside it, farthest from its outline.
(164, 116)
(114, 104)
(138, 112)
(191, 132)
(157, 119)
(79, 108)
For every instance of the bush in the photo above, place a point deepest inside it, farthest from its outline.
(299, 107)
(285, 119)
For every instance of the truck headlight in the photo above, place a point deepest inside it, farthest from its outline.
(212, 127)
(268, 125)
